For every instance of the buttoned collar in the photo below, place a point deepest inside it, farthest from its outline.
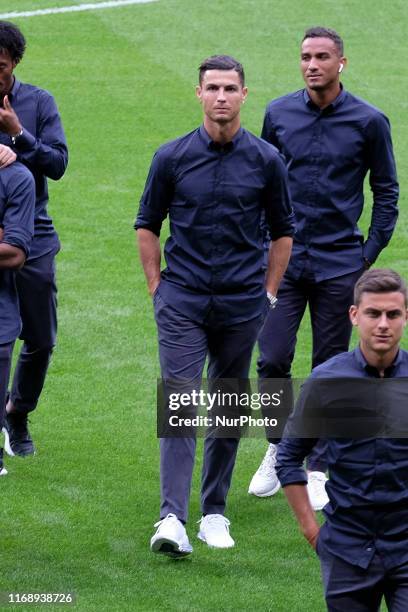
(216, 146)
(332, 106)
(13, 91)
(371, 370)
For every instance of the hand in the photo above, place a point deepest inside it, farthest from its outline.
(1, 233)
(9, 122)
(312, 537)
(153, 286)
(7, 156)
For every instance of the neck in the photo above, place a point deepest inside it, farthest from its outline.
(324, 97)
(222, 132)
(379, 361)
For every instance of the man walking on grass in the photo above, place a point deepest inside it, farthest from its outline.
(211, 299)
(330, 140)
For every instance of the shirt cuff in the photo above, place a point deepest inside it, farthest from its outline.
(371, 251)
(288, 476)
(25, 142)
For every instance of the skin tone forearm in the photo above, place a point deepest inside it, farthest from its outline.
(11, 257)
(150, 255)
(299, 501)
(279, 254)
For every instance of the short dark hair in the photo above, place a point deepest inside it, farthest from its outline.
(379, 281)
(12, 40)
(319, 32)
(221, 62)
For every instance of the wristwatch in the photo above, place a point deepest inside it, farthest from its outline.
(14, 138)
(272, 299)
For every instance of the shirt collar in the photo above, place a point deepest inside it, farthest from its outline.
(361, 360)
(336, 102)
(215, 145)
(14, 89)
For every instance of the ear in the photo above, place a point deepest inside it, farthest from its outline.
(353, 310)
(244, 94)
(199, 92)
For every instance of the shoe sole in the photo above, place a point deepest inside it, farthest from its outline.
(9, 450)
(202, 538)
(268, 493)
(168, 547)
(7, 446)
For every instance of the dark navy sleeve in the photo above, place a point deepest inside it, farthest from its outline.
(18, 219)
(47, 153)
(279, 216)
(293, 451)
(384, 185)
(157, 195)
(268, 133)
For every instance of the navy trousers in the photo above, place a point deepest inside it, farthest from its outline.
(37, 294)
(6, 351)
(352, 588)
(329, 302)
(184, 346)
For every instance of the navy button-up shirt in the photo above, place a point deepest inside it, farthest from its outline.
(17, 201)
(328, 154)
(43, 149)
(368, 485)
(214, 196)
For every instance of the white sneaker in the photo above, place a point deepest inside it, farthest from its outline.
(316, 490)
(214, 530)
(265, 481)
(171, 538)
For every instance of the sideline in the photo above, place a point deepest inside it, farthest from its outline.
(74, 8)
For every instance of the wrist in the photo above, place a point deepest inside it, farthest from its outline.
(16, 135)
(272, 299)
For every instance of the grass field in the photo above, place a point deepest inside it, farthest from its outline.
(79, 515)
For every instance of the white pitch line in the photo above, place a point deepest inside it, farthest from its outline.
(72, 9)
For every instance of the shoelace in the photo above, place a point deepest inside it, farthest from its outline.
(216, 520)
(268, 462)
(170, 515)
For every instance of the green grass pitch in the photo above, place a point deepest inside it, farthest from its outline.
(79, 515)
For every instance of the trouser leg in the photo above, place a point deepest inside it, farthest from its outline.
(37, 292)
(396, 589)
(6, 351)
(349, 587)
(277, 340)
(329, 303)
(230, 351)
(182, 352)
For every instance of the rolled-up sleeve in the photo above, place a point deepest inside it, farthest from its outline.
(18, 220)
(157, 194)
(292, 451)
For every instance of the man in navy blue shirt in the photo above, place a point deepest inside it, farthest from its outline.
(17, 200)
(30, 124)
(330, 140)
(211, 299)
(363, 545)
